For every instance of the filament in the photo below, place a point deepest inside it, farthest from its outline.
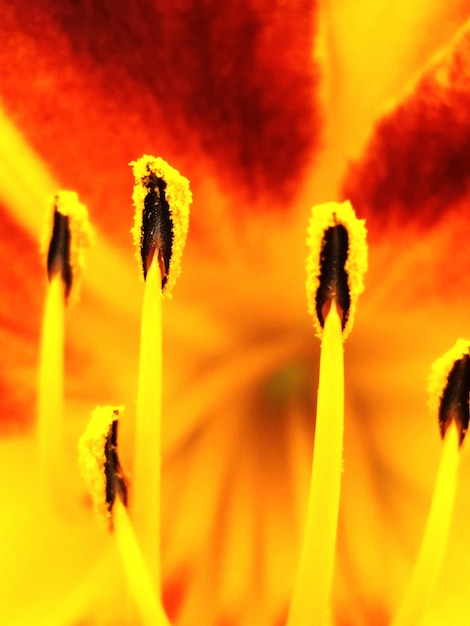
(146, 471)
(138, 578)
(426, 569)
(312, 588)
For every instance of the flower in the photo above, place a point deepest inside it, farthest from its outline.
(264, 123)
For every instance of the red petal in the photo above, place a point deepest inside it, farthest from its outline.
(96, 84)
(417, 165)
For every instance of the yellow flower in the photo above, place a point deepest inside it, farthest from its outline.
(262, 106)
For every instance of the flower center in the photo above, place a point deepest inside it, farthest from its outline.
(335, 267)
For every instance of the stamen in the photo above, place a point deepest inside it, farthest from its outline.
(328, 265)
(336, 264)
(67, 237)
(103, 475)
(449, 387)
(161, 199)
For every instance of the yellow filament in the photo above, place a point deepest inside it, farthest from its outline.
(50, 393)
(426, 570)
(312, 588)
(139, 581)
(145, 476)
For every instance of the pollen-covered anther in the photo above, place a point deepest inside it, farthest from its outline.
(99, 462)
(449, 389)
(161, 199)
(65, 240)
(336, 263)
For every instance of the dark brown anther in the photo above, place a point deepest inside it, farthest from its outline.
(58, 255)
(333, 277)
(116, 483)
(454, 404)
(157, 227)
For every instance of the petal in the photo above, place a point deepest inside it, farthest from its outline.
(94, 85)
(417, 167)
(20, 327)
(371, 52)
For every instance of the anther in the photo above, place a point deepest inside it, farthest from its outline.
(116, 484)
(157, 228)
(161, 199)
(65, 240)
(449, 387)
(454, 404)
(333, 278)
(58, 256)
(336, 263)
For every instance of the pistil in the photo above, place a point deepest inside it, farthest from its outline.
(335, 266)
